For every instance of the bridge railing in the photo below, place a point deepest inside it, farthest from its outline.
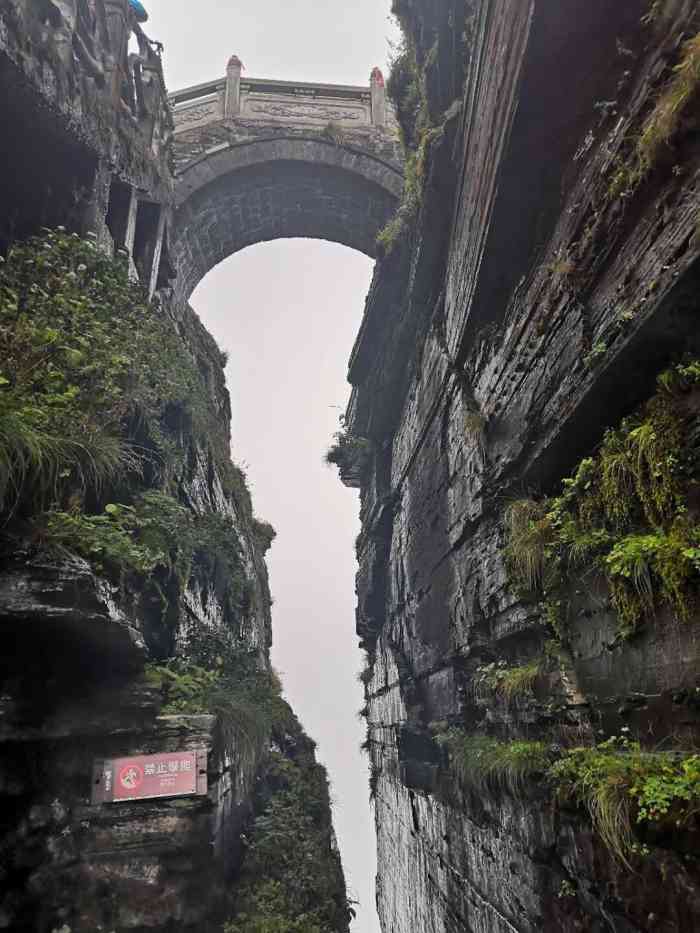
(235, 97)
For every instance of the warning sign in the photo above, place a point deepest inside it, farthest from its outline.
(143, 777)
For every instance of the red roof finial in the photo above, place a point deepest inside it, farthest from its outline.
(234, 61)
(377, 77)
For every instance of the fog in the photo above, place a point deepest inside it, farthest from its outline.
(287, 313)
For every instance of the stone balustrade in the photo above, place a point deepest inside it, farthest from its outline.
(234, 97)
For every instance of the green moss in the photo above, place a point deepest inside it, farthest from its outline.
(624, 513)
(480, 761)
(622, 786)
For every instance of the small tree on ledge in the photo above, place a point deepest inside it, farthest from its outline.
(352, 455)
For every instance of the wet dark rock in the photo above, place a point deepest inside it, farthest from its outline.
(497, 326)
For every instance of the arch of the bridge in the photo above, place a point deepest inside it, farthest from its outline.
(237, 195)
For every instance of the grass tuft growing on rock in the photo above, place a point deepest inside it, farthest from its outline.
(529, 533)
(665, 121)
(511, 683)
(94, 381)
(246, 699)
(622, 786)
(481, 762)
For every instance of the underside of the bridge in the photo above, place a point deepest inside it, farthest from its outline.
(298, 188)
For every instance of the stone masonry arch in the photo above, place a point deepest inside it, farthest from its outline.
(319, 161)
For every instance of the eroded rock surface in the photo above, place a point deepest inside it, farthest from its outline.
(528, 307)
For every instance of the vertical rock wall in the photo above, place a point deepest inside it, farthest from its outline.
(84, 146)
(528, 307)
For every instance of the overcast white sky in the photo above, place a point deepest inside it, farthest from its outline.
(288, 312)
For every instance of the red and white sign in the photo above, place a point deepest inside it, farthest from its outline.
(142, 777)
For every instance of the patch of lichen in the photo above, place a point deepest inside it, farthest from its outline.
(626, 513)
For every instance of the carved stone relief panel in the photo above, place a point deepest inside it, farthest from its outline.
(317, 111)
(202, 111)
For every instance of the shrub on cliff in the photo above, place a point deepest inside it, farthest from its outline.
(291, 880)
(623, 786)
(628, 513)
(102, 403)
(246, 699)
(92, 376)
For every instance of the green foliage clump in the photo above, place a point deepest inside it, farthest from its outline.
(154, 533)
(511, 682)
(622, 786)
(529, 534)
(406, 88)
(352, 455)
(264, 533)
(90, 373)
(481, 761)
(624, 514)
(291, 880)
(246, 699)
(101, 402)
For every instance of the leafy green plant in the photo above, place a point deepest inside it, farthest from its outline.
(621, 785)
(245, 698)
(153, 532)
(623, 515)
(352, 455)
(93, 377)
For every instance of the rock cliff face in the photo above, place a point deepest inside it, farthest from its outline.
(134, 601)
(541, 273)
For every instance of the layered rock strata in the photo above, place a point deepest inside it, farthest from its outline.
(525, 305)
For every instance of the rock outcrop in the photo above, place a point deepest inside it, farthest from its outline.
(134, 600)
(540, 275)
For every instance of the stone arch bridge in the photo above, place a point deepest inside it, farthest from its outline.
(259, 159)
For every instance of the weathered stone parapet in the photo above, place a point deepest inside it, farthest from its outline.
(284, 103)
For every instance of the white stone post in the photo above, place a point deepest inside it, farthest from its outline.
(232, 94)
(378, 97)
